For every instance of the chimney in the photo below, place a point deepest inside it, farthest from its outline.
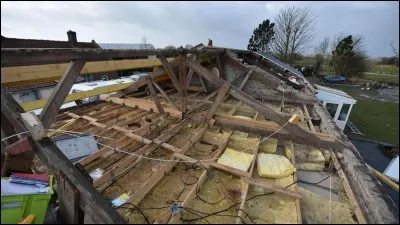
(72, 38)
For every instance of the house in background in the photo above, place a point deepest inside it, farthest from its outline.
(338, 103)
(43, 90)
(124, 73)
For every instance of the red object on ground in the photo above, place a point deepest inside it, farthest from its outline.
(41, 177)
(18, 147)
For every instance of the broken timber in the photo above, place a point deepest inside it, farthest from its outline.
(274, 116)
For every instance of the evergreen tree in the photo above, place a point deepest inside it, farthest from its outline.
(262, 36)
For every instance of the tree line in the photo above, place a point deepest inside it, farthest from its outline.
(292, 32)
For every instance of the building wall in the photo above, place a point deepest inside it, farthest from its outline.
(326, 98)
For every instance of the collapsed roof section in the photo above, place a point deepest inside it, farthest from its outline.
(150, 135)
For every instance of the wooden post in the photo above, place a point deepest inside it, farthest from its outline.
(270, 113)
(155, 97)
(221, 94)
(60, 92)
(182, 79)
(50, 154)
(164, 94)
(170, 71)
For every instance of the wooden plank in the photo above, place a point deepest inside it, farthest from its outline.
(309, 121)
(140, 193)
(182, 79)
(245, 79)
(170, 71)
(144, 105)
(267, 185)
(165, 95)
(385, 179)
(230, 170)
(190, 73)
(349, 191)
(190, 88)
(155, 97)
(203, 177)
(14, 57)
(121, 143)
(69, 200)
(37, 104)
(298, 210)
(245, 190)
(221, 94)
(60, 92)
(203, 84)
(130, 161)
(19, 75)
(295, 130)
(50, 154)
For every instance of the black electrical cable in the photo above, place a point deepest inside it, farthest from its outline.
(137, 208)
(191, 220)
(224, 210)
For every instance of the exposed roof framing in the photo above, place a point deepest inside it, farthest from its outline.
(146, 141)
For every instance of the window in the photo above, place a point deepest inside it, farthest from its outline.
(331, 108)
(344, 112)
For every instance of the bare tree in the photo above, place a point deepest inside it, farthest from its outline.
(189, 46)
(144, 43)
(395, 50)
(170, 47)
(294, 30)
(320, 54)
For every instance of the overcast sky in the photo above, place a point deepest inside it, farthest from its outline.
(228, 24)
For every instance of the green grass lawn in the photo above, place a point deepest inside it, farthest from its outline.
(386, 69)
(377, 120)
(391, 80)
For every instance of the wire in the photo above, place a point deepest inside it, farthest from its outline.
(14, 135)
(256, 196)
(266, 137)
(141, 212)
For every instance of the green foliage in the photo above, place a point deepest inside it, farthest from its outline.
(347, 58)
(394, 60)
(377, 120)
(262, 37)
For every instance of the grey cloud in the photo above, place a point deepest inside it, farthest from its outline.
(228, 24)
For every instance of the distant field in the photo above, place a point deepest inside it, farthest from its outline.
(378, 121)
(385, 69)
(391, 80)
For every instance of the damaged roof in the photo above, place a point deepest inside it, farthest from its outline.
(162, 141)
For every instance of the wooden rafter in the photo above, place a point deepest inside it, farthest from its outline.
(270, 113)
(60, 92)
(170, 71)
(223, 90)
(165, 95)
(155, 97)
(48, 152)
(183, 82)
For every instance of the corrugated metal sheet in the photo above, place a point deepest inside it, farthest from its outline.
(280, 63)
(125, 46)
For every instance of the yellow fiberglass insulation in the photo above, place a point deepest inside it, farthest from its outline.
(269, 145)
(310, 166)
(272, 209)
(308, 154)
(288, 150)
(235, 159)
(274, 166)
(316, 210)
